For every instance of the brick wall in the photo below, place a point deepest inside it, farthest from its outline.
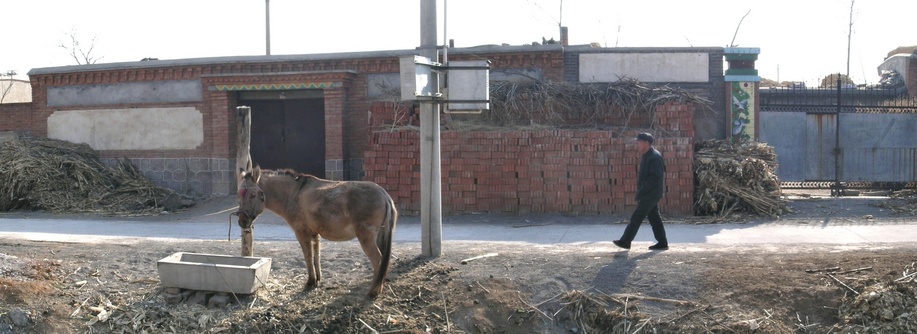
(349, 103)
(566, 171)
(197, 177)
(550, 63)
(16, 117)
(710, 124)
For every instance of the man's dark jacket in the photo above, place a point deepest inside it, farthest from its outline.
(651, 179)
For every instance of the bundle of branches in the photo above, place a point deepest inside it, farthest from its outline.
(565, 104)
(736, 177)
(59, 176)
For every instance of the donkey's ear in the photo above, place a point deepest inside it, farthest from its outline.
(256, 173)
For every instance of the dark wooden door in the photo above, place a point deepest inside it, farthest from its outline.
(289, 134)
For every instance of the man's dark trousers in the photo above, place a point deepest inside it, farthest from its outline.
(645, 209)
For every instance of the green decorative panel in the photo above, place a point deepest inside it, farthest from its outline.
(736, 71)
(275, 86)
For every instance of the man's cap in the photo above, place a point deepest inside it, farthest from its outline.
(645, 137)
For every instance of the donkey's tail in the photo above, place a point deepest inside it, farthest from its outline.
(384, 242)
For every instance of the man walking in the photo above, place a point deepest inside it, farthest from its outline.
(650, 187)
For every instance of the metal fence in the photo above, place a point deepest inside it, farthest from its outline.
(841, 137)
(877, 100)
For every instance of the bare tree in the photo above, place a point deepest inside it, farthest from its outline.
(77, 51)
(732, 44)
(5, 89)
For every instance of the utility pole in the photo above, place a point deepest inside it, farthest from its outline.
(431, 217)
(849, 37)
(267, 29)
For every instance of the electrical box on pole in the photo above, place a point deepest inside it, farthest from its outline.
(468, 86)
(468, 83)
(418, 78)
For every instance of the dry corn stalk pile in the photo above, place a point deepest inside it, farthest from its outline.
(738, 177)
(59, 176)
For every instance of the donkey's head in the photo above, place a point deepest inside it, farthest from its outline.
(251, 197)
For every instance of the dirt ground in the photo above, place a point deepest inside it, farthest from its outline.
(51, 287)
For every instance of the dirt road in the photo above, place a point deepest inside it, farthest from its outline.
(105, 286)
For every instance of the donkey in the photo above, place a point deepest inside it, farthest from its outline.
(334, 210)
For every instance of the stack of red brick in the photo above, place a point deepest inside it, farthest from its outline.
(563, 171)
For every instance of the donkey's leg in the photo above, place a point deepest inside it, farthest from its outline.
(368, 242)
(317, 257)
(305, 242)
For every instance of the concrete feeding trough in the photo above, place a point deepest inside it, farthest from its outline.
(210, 272)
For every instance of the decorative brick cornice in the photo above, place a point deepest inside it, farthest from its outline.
(339, 69)
(116, 76)
(515, 60)
(278, 81)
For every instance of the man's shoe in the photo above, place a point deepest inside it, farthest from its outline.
(659, 247)
(621, 244)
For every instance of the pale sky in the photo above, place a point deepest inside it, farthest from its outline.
(805, 39)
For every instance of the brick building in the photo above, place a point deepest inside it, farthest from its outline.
(176, 119)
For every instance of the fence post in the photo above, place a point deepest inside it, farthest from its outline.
(836, 190)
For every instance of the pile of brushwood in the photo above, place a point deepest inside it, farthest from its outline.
(63, 177)
(617, 107)
(736, 177)
(577, 105)
(879, 306)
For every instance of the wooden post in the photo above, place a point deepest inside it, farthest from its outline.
(244, 163)
(243, 153)
(247, 234)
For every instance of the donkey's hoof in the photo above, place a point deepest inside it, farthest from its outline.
(372, 294)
